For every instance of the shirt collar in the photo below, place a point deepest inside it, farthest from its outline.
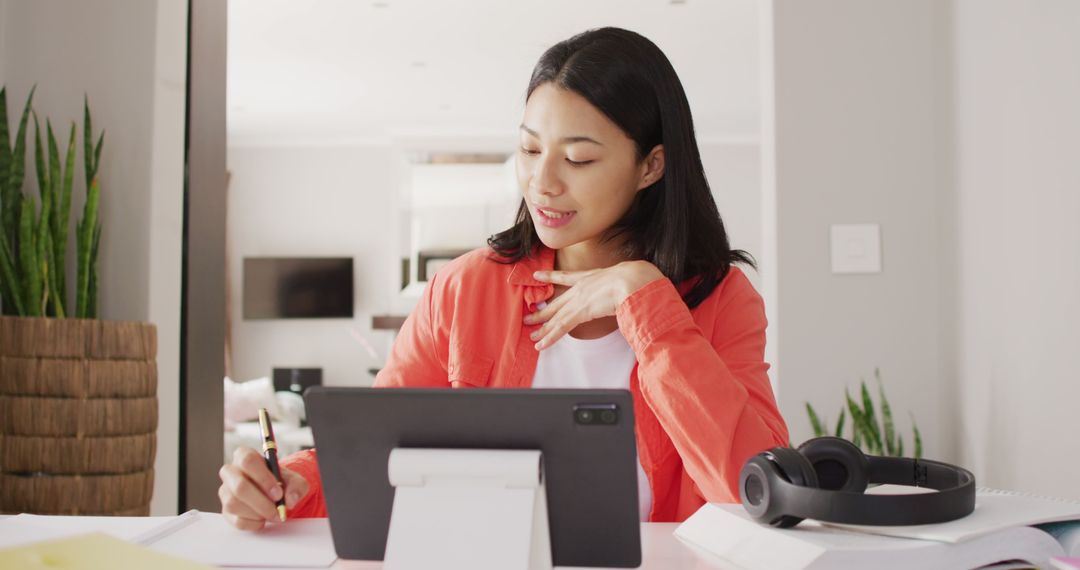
(534, 291)
(522, 274)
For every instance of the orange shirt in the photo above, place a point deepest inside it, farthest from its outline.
(702, 400)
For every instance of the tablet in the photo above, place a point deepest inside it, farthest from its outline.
(586, 437)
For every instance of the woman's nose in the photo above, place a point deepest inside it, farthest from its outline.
(545, 179)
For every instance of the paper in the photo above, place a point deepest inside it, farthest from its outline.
(96, 551)
(728, 532)
(994, 511)
(205, 537)
(26, 528)
(298, 543)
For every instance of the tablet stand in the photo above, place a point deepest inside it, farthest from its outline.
(468, 508)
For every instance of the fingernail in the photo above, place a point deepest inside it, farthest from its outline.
(539, 345)
(291, 500)
(534, 335)
(538, 274)
(275, 493)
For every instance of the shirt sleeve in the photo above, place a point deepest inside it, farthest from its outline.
(710, 392)
(314, 503)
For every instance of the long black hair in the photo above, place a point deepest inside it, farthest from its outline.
(673, 223)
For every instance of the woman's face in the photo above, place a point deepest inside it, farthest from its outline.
(576, 169)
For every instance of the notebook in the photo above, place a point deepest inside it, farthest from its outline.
(204, 537)
(728, 532)
(94, 551)
(995, 510)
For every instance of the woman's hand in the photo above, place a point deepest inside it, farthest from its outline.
(249, 491)
(591, 295)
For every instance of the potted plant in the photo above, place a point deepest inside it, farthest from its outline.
(78, 406)
(866, 431)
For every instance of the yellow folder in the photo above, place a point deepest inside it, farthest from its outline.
(94, 551)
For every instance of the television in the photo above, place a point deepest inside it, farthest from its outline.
(298, 287)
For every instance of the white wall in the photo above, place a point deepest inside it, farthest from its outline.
(733, 169)
(129, 57)
(314, 201)
(852, 133)
(1017, 136)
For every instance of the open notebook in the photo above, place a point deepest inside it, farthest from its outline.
(994, 510)
(997, 531)
(202, 537)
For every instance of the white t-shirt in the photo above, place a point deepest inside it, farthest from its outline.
(604, 362)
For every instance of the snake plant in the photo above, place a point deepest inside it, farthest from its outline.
(866, 432)
(34, 232)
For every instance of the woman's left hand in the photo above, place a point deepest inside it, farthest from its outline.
(590, 295)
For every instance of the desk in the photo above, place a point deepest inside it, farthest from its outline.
(660, 550)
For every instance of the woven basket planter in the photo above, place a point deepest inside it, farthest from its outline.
(78, 416)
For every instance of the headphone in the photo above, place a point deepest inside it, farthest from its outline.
(825, 479)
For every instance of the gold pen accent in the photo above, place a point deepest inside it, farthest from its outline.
(270, 454)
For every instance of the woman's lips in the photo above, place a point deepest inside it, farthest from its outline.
(554, 218)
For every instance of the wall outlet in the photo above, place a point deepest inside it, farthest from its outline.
(856, 248)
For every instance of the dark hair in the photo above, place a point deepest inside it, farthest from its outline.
(674, 223)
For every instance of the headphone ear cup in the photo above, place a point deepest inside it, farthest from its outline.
(759, 477)
(838, 464)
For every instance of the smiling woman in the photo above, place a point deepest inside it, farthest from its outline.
(617, 273)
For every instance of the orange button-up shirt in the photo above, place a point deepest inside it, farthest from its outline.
(702, 400)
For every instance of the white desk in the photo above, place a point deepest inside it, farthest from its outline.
(660, 550)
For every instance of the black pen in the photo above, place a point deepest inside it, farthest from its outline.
(270, 453)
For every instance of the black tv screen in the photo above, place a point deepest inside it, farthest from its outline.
(298, 287)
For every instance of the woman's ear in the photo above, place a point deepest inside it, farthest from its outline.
(652, 168)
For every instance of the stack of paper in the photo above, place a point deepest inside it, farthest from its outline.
(995, 532)
(202, 537)
(95, 551)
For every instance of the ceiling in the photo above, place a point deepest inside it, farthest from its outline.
(440, 73)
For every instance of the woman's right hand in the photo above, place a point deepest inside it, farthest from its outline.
(249, 491)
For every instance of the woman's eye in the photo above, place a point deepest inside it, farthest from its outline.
(578, 162)
(529, 151)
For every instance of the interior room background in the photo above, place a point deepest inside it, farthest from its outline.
(952, 125)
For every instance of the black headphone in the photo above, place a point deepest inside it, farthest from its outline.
(825, 477)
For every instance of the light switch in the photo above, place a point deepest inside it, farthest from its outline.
(856, 248)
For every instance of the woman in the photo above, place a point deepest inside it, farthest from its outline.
(617, 273)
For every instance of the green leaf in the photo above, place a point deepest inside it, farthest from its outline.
(88, 143)
(54, 160)
(874, 432)
(815, 423)
(899, 446)
(857, 421)
(62, 214)
(840, 423)
(918, 438)
(17, 169)
(54, 271)
(41, 256)
(39, 159)
(87, 229)
(12, 291)
(28, 258)
(97, 152)
(5, 148)
(887, 419)
(92, 310)
(14, 177)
